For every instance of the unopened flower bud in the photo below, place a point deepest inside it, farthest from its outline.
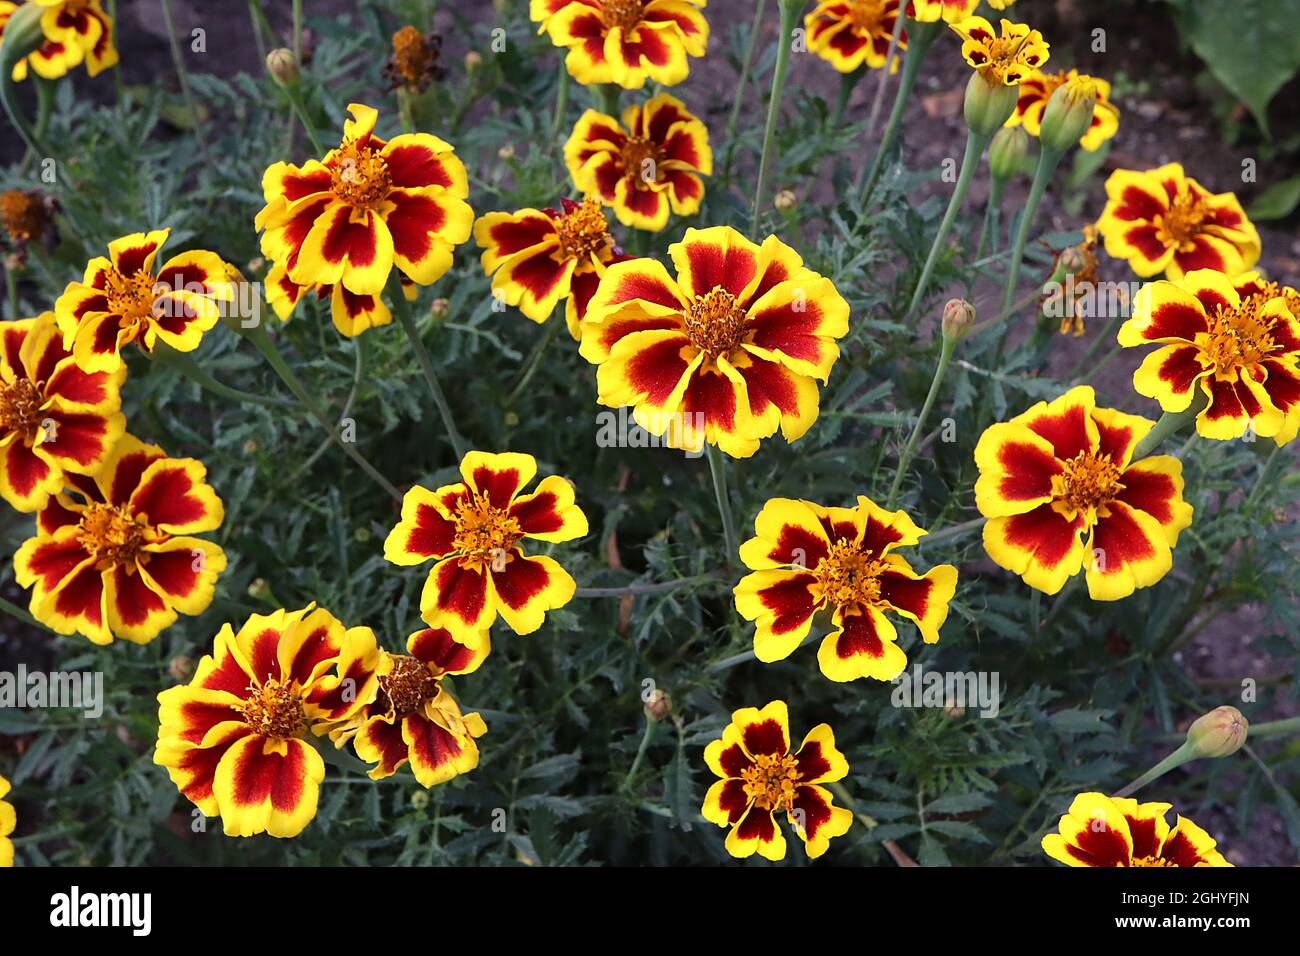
(785, 200)
(506, 152)
(512, 419)
(1007, 152)
(420, 799)
(255, 265)
(181, 668)
(283, 67)
(473, 60)
(988, 105)
(1219, 733)
(1072, 260)
(250, 446)
(958, 317)
(1068, 114)
(259, 589)
(439, 309)
(658, 705)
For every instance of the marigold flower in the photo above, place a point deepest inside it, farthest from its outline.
(1079, 265)
(473, 531)
(539, 257)
(1008, 58)
(848, 33)
(950, 11)
(414, 717)
(114, 555)
(415, 61)
(8, 820)
(1164, 221)
(234, 739)
(1062, 494)
(54, 418)
(1116, 831)
(625, 41)
(1037, 88)
(341, 224)
(121, 300)
(808, 558)
(75, 31)
(725, 353)
(761, 776)
(645, 167)
(25, 215)
(1238, 338)
(351, 314)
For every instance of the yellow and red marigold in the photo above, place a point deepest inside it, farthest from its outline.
(625, 42)
(54, 418)
(75, 31)
(1116, 831)
(1162, 220)
(114, 555)
(8, 820)
(850, 33)
(1236, 340)
(234, 739)
(728, 352)
(932, 11)
(538, 257)
(121, 300)
(761, 776)
(807, 558)
(646, 167)
(1062, 493)
(340, 225)
(1037, 88)
(414, 717)
(474, 531)
(1007, 58)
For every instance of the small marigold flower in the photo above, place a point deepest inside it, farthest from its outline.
(1037, 88)
(644, 167)
(1116, 831)
(808, 558)
(341, 224)
(1237, 338)
(727, 352)
(414, 717)
(114, 555)
(625, 41)
(1007, 59)
(539, 257)
(25, 215)
(932, 11)
(234, 739)
(760, 776)
(8, 820)
(474, 531)
(1078, 264)
(1063, 495)
(75, 31)
(54, 418)
(1164, 221)
(848, 33)
(121, 300)
(414, 62)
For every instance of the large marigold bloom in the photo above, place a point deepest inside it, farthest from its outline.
(645, 167)
(625, 41)
(414, 717)
(1037, 88)
(950, 11)
(728, 352)
(808, 558)
(8, 820)
(1116, 831)
(1007, 58)
(55, 419)
(848, 33)
(1162, 220)
(114, 555)
(761, 776)
(1062, 494)
(538, 257)
(234, 739)
(474, 531)
(75, 31)
(121, 300)
(1238, 339)
(344, 222)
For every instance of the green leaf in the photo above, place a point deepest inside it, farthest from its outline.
(1277, 201)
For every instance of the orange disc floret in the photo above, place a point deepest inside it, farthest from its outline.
(475, 530)
(807, 558)
(1005, 58)
(1102, 831)
(1063, 494)
(55, 419)
(236, 739)
(848, 34)
(114, 555)
(761, 776)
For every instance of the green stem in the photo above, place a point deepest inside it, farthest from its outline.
(878, 101)
(300, 110)
(655, 587)
(1275, 728)
(718, 466)
(904, 459)
(534, 360)
(254, 12)
(606, 96)
(178, 61)
(789, 16)
(184, 363)
(746, 67)
(402, 308)
(11, 293)
(1176, 759)
(640, 752)
(561, 102)
(952, 531)
(1168, 424)
(297, 32)
(14, 611)
(1047, 162)
(22, 35)
(847, 82)
(1096, 344)
(920, 36)
(989, 226)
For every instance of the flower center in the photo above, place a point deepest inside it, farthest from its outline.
(1183, 220)
(865, 15)
(621, 13)
(484, 533)
(274, 710)
(23, 215)
(771, 781)
(20, 406)
(1004, 53)
(849, 576)
(407, 686)
(640, 159)
(360, 175)
(109, 534)
(583, 230)
(1241, 337)
(1151, 861)
(1088, 481)
(715, 322)
(131, 297)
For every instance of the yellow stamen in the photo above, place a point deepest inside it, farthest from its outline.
(865, 15)
(584, 231)
(132, 297)
(110, 535)
(274, 710)
(485, 534)
(1182, 223)
(624, 14)
(359, 175)
(20, 407)
(1241, 337)
(715, 322)
(407, 686)
(641, 160)
(1088, 482)
(772, 781)
(849, 576)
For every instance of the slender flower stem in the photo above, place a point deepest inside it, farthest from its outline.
(402, 308)
(534, 360)
(989, 227)
(1047, 162)
(561, 101)
(182, 76)
(300, 110)
(975, 146)
(718, 466)
(184, 363)
(1176, 759)
(23, 34)
(789, 16)
(14, 611)
(1005, 314)
(1275, 728)
(654, 587)
(1098, 341)
(297, 32)
(952, 531)
(742, 83)
(640, 751)
(847, 82)
(920, 36)
(1168, 424)
(11, 293)
(949, 343)
(254, 12)
(606, 96)
(878, 101)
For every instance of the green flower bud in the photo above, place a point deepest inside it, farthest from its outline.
(1007, 152)
(1068, 114)
(283, 67)
(988, 106)
(1219, 733)
(958, 317)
